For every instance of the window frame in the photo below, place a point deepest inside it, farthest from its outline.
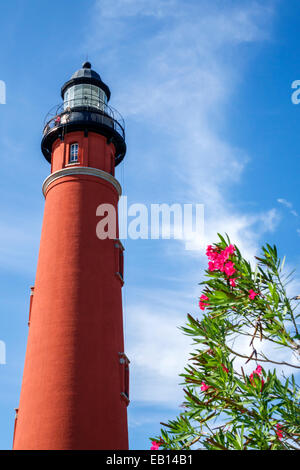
(119, 260)
(124, 363)
(72, 154)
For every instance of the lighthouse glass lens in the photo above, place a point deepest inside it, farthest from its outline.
(85, 95)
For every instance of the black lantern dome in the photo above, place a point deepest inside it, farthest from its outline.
(85, 108)
(87, 76)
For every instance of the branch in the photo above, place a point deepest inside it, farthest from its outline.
(283, 363)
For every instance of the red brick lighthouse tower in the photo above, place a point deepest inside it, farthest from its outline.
(75, 385)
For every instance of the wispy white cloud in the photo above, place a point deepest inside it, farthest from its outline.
(135, 8)
(184, 74)
(179, 64)
(289, 206)
(159, 352)
(285, 203)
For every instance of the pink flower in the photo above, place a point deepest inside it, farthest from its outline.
(216, 264)
(204, 387)
(220, 265)
(232, 281)
(211, 266)
(229, 268)
(251, 378)
(217, 260)
(155, 445)
(211, 253)
(279, 431)
(224, 368)
(257, 371)
(202, 304)
(252, 294)
(230, 249)
(209, 250)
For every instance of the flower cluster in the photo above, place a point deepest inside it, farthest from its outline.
(258, 372)
(155, 445)
(224, 368)
(279, 431)
(204, 387)
(202, 304)
(252, 294)
(219, 260)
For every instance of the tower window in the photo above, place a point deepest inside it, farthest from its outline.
(73, 158)
(124, 362)
(119, 256)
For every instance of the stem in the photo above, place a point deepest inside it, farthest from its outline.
(283, 363)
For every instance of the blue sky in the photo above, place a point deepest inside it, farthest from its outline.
(205, 90)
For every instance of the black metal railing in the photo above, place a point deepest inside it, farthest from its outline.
(62, 114)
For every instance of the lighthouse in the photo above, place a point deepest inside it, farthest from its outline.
(75, 388)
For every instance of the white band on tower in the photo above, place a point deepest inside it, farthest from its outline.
(81, 170)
